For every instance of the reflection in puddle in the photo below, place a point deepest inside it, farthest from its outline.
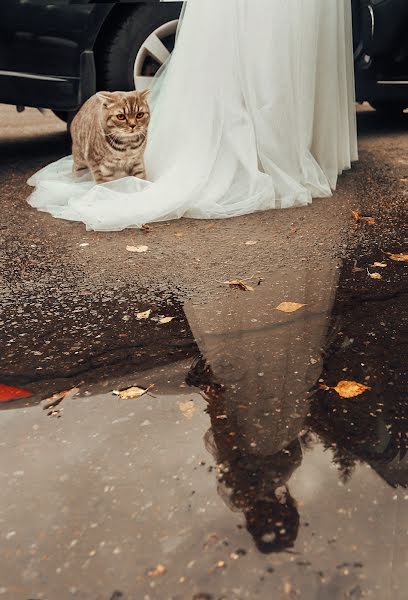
(256, 370)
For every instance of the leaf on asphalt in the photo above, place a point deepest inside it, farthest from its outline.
(289, 307)
(57, 398)
(358, 217)
(144, 315)
(238, 283)
(132, 392)
(381, 265)
(9, 393)
(347, 389)
(157, 571)
(188, 409)
(137, 248)
(375, 275)
(165, 320)
(403, 257)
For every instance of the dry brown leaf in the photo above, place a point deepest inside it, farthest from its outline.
(146, 228)
(238, 283)
(398, 257)
(144, 315)
(289, 307)
(157, 571)
(348, 389)
(358, 217)
(57, 398)
(164, 320)
(188, 409)
(404, 179)
(250, 243)
(381, 265)
(179, 234)
(138, 249)
(132, 392)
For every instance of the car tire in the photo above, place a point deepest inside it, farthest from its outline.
(389, 108)
(117, 63)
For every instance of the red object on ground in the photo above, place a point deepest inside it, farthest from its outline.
(8, 393)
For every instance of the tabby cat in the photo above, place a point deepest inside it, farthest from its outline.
(109, 135)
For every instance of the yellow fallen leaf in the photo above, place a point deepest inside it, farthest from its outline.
(289, 307)
(375, 275)
(398, 257)
(188, 408)
(144, 315)
(132, 392)
(348, 389)
(358, 217)
(382, 265)
(137, 248)
(157, 571)
(164, 320)
(238, 283)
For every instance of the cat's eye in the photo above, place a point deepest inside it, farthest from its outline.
(140, 115)
(120, 117)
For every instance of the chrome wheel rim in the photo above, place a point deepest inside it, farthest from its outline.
(153, 53)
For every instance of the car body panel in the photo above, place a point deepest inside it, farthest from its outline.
(47, 50)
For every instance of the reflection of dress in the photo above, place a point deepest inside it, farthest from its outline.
(256, 111)
(265, 361)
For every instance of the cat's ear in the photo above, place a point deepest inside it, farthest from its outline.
(145, 94)
(105, 96)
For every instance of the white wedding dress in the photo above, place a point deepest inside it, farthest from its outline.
(255, 110)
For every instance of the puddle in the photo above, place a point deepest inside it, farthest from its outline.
(240, 476)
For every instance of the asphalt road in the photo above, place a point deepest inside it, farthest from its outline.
(169, 497)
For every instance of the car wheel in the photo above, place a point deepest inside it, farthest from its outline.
(139, 46)
(389, 107)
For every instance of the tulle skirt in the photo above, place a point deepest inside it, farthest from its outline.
(254, 111)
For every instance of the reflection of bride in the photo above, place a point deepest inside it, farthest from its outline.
(256, 368)
(255, 111)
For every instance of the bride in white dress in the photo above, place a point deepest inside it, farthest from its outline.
(255, 110)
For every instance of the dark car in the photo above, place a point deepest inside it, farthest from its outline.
(57, 54)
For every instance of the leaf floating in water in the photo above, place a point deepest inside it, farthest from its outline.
(348, 389)
(132, 392)
(157, 571)
(137, 248)
(144, 315)
(398, 257)
(57, 398)
(165, 320)
(240, 284)
(289, 307)
(9, 393)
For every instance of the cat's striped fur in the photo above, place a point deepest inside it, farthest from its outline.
(109, 135)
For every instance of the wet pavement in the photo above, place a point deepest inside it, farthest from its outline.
(240, 475)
